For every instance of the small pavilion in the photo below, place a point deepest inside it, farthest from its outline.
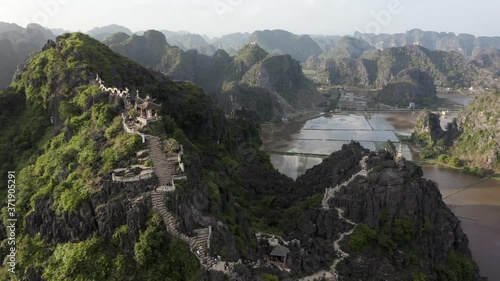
(147, 108)
(280, 253)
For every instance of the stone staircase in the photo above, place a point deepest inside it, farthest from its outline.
(169, 219)
(201, 244)
(164, 169)
(330, 192)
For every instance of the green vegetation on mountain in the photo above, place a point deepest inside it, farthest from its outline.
(64, 137)
(479, 143)
(275, 78)
(471, 141)
(248, 56)
(448, 69)
(63, 168)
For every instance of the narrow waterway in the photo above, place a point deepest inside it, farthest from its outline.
(475, 201)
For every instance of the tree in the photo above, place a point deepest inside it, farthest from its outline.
(78, 261)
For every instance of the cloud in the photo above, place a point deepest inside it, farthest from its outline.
(310, 3)
(253, 11)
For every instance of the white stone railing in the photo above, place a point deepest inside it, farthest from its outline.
(179, 178)
(132, 179)
(166, 188)
(111, 90)
(143, 121)
(132, 131)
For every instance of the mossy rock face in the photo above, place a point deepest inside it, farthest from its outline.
(479, 144)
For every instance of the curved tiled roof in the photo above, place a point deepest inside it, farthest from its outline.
(280, 251)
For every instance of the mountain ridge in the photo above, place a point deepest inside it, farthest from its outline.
(65, 137)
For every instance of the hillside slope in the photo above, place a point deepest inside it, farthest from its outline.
(274, 78)
(63, 135)
(16, 44)
(81, 216)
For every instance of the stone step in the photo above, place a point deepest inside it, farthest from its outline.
(203, 240)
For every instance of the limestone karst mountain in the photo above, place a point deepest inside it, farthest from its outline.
(466, 44)
(68, 137)
(300, 47)
(377, 68)
(16, 44)
(244, 80)
(103, 32)
(409, 86)
(347, 47)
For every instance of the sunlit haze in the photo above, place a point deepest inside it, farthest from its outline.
(218, 17)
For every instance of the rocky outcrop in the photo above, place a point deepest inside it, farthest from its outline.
(347, 71)
(428, 128)
(479, 144)
(276, 73)
(409, 229)
(473, 137)
(410, 85)
(115, 205)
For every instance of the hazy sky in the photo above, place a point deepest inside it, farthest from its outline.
(217, 17)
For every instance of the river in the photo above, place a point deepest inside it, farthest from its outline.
(305, 143)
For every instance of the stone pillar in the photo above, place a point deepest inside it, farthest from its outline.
(209, 235)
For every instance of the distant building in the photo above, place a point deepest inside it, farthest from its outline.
(348, 101)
